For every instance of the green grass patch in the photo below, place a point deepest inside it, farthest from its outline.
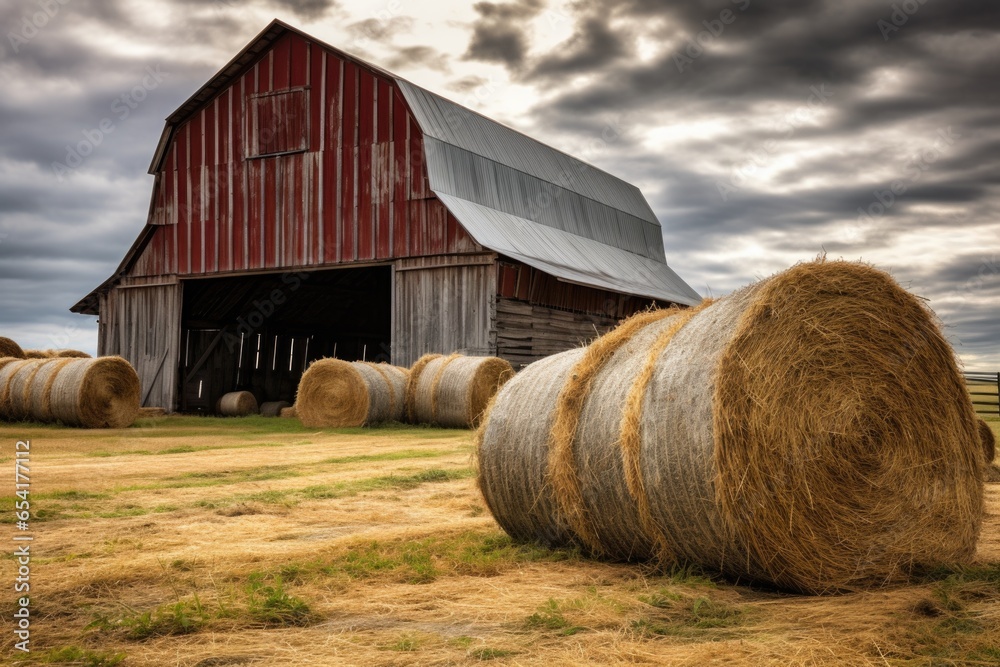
(488, 653)
(550, 617)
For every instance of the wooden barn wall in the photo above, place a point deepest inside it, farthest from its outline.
(359, 191)
(526, 333)
(538, 315)
(141, 323)
(443, 305)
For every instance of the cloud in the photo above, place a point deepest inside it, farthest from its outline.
(426, 56)
(501, 33)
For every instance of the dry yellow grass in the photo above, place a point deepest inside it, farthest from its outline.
(226, 524)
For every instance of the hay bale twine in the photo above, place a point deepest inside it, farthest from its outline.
(38, 354)
(9, 348)
(988, 440)
(454, 390)
(237, 404)
(94, 393)
(803, 432)
(273, 408)
(334, 393)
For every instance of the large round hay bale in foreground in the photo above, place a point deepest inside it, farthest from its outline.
(811, 431)
(454, 390)
(9, 348)
(334, 393)
(273, 408)
(237, 404)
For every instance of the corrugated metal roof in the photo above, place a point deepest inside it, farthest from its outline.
(456, 171)
(454, 124)
(569, 256)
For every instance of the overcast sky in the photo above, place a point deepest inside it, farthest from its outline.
(762, 132)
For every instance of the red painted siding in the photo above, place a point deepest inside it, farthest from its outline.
(356, 191)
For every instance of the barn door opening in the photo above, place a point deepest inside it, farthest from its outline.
(259, 333)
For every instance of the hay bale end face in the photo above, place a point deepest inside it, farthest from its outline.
(237, 404)
(454, 391)
(802, 432)
(334, 394)
(9, 348)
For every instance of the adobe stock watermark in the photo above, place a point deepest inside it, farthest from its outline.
(121, 107)
(694, 47)
(915, 168)
(759, 157)
(901, 13)
(30, 24)
(262, 309)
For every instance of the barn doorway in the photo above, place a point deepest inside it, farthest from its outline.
(258, 333)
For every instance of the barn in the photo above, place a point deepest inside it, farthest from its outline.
(308, 204)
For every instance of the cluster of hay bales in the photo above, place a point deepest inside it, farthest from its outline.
(334, 393)
(810, 431)
(273, 408)
(91, 393)
(449, 390)
(453, 390)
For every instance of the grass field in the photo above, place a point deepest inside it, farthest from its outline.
(208, 542)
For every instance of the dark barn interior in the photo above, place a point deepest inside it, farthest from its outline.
(259, 333)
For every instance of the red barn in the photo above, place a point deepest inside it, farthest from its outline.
(308, 204)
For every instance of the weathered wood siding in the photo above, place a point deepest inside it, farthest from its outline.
(526, 333)
(443, 304)
(141, 323)
(342, 178)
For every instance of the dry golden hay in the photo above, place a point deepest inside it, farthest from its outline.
(95, 393)
(411, 385)
(989, 441)
(92, 393)
(70, 354)
(334, 393)
(811, 431)
(38, 354)
(288, 413)
(454, 391)
(273, 408)
(9, 348)
(237, 404)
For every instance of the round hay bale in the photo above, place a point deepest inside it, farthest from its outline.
(70, 354)
(39, 403)
(237, 404)
(411, 385)
(801, 432)
(273, 408)
(9, 367)
(38, 354)
(9, 348)
(288, 413)
(95, 393)
(988, 440)
(454, 391)
(334, 393)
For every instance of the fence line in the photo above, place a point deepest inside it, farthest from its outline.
(984, 386)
